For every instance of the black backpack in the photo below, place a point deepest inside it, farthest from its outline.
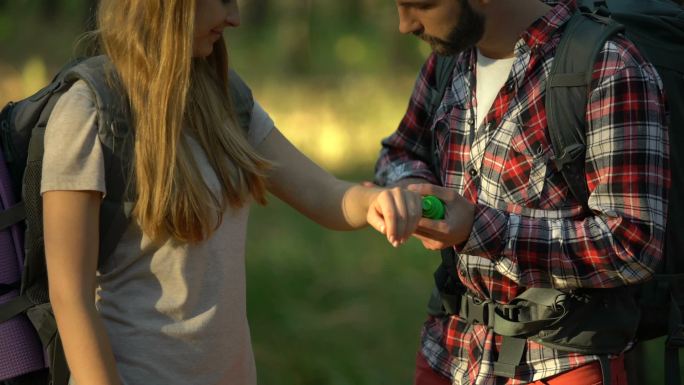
(23, 127)
(25, 301)
(657, 28)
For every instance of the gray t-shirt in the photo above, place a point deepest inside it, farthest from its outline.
(175, 313)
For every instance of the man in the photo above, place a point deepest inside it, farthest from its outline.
(511, 218)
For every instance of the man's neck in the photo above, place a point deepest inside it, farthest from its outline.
(506, 20)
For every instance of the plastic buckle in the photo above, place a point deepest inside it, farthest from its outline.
(477, 311)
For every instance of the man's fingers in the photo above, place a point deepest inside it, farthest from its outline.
(440, 192)
(433, 227)
(428, 243)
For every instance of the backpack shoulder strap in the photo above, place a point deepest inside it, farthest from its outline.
(567, 92)
(116, 135)
(241, 98)
(446, 295)
(444, 67)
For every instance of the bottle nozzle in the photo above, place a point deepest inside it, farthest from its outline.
(433, 207)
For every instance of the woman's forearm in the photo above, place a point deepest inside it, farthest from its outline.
(333, 203)
(71, 228)
(86, 344)
(341, 205)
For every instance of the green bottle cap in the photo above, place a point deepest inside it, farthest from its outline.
(433, 207)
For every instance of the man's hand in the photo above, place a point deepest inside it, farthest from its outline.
(455, 228)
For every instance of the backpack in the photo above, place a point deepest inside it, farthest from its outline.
(603, 321)
(29, 340)
(28, 331)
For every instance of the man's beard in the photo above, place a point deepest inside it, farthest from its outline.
(467, 32)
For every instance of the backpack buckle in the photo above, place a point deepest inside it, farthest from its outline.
(477, 311)
(569, 155)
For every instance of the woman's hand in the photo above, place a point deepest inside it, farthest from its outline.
(395, 213)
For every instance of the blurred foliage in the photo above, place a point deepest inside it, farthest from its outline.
(284, 37)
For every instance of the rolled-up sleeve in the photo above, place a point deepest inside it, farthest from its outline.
(406, 153)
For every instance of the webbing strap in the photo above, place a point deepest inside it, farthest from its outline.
(510, 355)
(672, 371)
(444, 67)
(567, 80)
(59, 369)
(528, 313)
(12, 215)
(446, 296)
(674, 342)
(506, 327)
(14, 307)
(604, 362)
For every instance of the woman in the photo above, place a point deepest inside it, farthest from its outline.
(170, 306)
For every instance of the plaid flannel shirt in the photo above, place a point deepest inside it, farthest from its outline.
(528, 229)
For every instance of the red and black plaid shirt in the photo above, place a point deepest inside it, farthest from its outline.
(528, 229)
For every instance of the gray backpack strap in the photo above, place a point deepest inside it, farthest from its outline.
(116, 135)
(444, 68)
(567, 92)
(242, 100)
(446, 296)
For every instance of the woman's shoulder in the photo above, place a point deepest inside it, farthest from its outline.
(79, 98)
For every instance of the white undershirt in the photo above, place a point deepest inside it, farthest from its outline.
(491, 76)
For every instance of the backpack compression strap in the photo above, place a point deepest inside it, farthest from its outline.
(567, 91)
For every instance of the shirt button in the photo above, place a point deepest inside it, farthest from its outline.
(472, 172)
(510, 87)
(471, 121)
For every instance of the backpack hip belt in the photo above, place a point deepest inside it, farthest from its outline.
(599, 322)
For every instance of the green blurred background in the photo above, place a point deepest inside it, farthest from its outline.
(325, 307)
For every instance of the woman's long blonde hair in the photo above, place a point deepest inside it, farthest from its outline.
(150, 43)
